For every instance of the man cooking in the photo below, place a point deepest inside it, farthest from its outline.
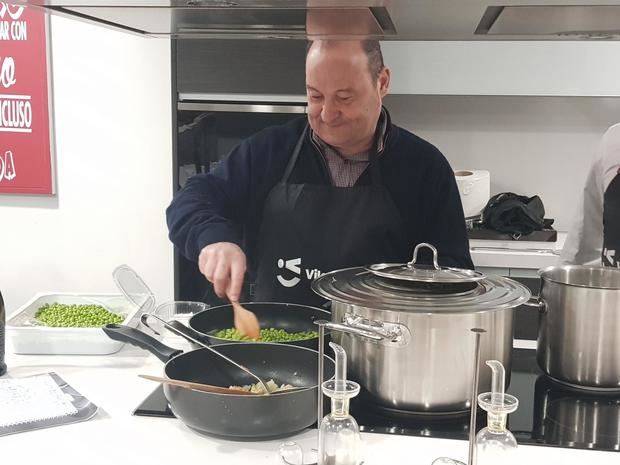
(343, 187)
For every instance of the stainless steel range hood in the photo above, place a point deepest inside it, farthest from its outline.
(382, 19)
(582, 22)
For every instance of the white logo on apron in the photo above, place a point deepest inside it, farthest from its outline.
(291, 265)
(610, 255)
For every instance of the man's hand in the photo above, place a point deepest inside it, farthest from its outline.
(223, 264)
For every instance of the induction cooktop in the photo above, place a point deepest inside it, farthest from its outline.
(549, 414)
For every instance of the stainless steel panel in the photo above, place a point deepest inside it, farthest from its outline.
(240, 108)
(544, 20)
(397, 19)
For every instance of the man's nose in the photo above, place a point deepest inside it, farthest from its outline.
(329, 113)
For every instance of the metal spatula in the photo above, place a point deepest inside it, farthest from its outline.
(180, 329)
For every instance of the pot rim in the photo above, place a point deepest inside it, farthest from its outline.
(496, 294)
(552, 268)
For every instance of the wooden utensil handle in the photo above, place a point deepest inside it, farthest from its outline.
(198, 386)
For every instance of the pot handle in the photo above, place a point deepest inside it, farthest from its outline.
(348, 329)
(537, 302)
(393, 333)
(140, 339)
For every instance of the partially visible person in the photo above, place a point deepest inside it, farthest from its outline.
(595, 237)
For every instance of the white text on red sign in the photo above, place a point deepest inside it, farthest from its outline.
(7, 167)
(7, 72)
(11, 28)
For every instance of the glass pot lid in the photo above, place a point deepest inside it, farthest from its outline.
(424, 273)
(361, 287)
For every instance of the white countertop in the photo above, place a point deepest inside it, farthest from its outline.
(516, 254)
(114, 436)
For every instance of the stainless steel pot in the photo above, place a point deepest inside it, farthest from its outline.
(579, 331)
(424, 362)
(429, 368)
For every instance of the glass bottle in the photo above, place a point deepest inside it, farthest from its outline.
(494, 443)
(339, 433)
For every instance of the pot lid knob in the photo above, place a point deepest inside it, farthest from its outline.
(414, 272)
(415, 254)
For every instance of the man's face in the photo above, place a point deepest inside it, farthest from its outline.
(344, 101)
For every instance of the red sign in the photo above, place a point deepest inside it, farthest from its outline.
(25, 148)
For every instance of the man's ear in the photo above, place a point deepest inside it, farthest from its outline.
(384, 81)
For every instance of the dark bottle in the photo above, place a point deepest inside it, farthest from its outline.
(2, 323)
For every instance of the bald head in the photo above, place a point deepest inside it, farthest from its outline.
(370, 48)
(345, 82)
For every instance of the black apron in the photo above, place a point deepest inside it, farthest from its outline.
(611, 224)
(310, 229)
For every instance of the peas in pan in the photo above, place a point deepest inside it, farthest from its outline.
(282, 323)
(267, 335)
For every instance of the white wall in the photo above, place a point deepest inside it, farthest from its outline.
(114, 171)
(531, 145)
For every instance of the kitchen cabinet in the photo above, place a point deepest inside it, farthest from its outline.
(585, 68)
(525, 68)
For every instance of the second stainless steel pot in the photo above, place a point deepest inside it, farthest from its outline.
(579, 331)
(424, 363)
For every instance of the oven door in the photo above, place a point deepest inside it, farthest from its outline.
(207, 132)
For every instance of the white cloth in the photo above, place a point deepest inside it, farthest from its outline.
(584, 243)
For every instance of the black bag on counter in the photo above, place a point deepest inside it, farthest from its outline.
(515, 214)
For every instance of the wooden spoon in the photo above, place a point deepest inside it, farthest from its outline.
(199, 386)
(245, 321)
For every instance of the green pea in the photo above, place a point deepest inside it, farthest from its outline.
(267, 335)
(76, 315)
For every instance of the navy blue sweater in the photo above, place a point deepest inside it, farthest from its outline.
(227, 203)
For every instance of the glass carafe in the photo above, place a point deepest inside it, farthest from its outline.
(339, 433)
(495, 444)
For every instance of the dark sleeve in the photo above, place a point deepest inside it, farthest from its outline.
(212, 207)
(611, 224)
(447, 221)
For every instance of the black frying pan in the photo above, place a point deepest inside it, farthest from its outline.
(237, 416)
(289, 317)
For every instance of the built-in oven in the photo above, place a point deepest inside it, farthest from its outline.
(206, 132)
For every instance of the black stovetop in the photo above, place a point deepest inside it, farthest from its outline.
(549, 414)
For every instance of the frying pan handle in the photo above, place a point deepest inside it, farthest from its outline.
(190, 332)
(137, 338)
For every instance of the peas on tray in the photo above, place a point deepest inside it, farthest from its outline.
(267, 335)
(76, 315)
